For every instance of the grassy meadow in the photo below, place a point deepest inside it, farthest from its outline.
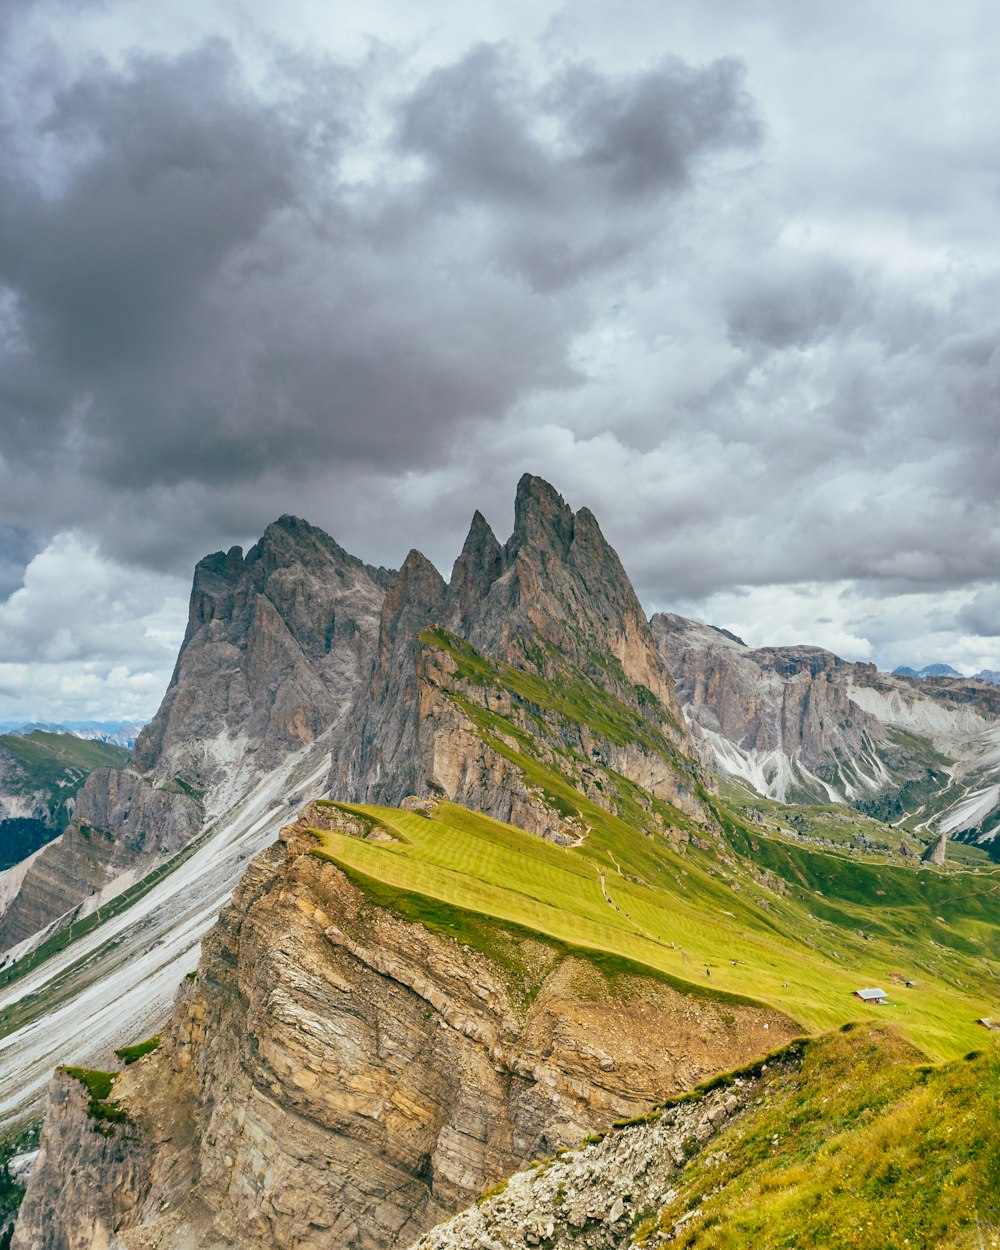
(753, 917)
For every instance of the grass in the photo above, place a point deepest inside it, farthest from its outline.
(773, 922)
(131, 1054)
(57, 765)
(864, 1146)
(102, 1110)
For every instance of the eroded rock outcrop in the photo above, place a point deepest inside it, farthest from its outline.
(338, 1075)
(593, 1197)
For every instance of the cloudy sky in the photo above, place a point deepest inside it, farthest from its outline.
(727, 271)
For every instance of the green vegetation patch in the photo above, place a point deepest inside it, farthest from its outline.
(102, 1110)
(56, 766)
(569, 693)
(862, 1146)
(130, 1054)
(772, 923)
(21, 836)
(16, 1140)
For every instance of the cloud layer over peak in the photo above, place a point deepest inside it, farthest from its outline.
(724, 274)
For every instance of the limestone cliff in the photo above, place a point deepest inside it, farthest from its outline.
(553, 604)
(340, 1076)
(278, 643)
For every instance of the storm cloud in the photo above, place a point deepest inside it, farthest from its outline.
(724, 274)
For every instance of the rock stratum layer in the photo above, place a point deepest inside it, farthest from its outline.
(338, 1075)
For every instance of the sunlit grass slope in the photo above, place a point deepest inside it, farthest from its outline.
(863, 1147)
(750, 916)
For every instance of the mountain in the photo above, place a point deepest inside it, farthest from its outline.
(276, 644)
(481, 685)
(119, 733)
(801, 725)
(929, 670)
(991, 675)
(289, 653)
(41, 774)
(522, 918)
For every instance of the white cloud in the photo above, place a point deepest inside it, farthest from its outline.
(86, 637)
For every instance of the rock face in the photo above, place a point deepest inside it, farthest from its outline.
(340, 1076)
(278, 643)
(555, 603)
(801, 724)
(937, 852)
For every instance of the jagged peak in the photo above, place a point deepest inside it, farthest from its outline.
(291, 538)
(225, 564)
(474, 573)
(416, 567)
(541, 516)
(480, 535)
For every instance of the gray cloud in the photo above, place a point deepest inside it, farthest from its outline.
(745, 310)
(981, 616)
(205, 297)
(794, 308)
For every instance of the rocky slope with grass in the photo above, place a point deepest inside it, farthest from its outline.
(340, 1075)
(465, 672)
(846, 1140)
(801, 725)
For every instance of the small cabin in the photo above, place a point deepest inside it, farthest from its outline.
(872, 996)
(989, 1023)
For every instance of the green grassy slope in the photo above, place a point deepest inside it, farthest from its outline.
(865, 1147)
(55, 765)
(752, 917)
(745, 910)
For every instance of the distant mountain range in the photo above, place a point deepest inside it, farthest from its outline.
(945, 670)
(929, 670)
(118, 732)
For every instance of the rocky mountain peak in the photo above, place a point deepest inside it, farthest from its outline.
(415, 599)
(473, 574)
(278, 642)
(542, 518)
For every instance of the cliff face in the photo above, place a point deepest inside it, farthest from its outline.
(340, 1076)
(277, 644)
(555, 604)
(593, 1197)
